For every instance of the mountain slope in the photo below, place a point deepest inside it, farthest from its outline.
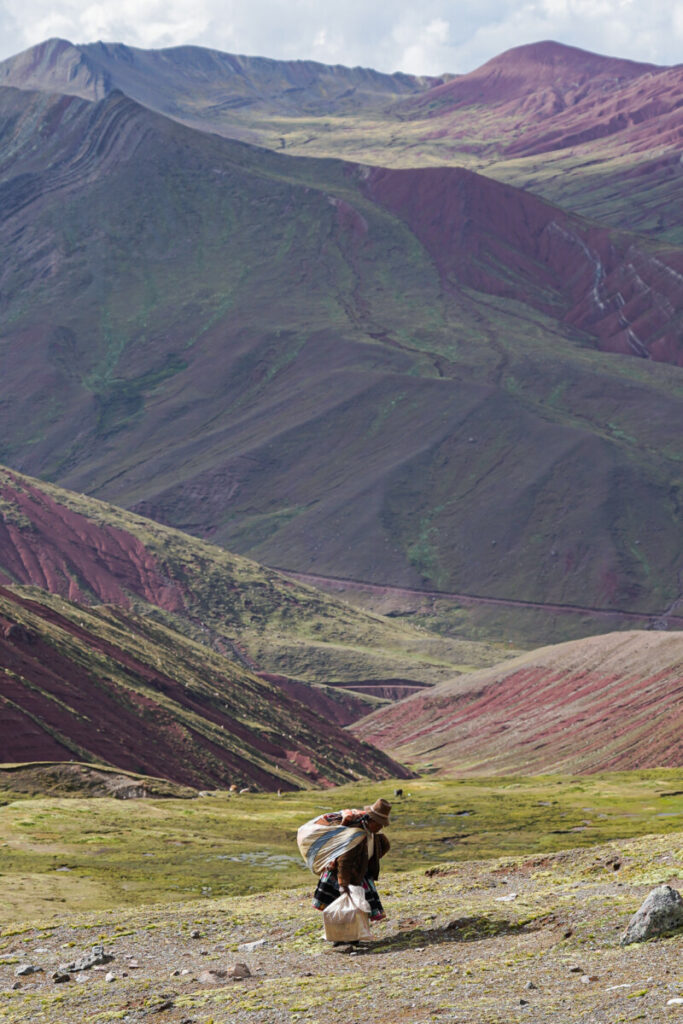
(110, 687)
(607, 702)
(90, 552)
(313, 363)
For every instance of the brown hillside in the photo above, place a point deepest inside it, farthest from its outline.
(109, 687)
(507, 242)
(608, 702)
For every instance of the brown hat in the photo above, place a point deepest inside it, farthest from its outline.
(379, 812)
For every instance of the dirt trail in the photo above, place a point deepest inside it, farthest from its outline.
(650, 620)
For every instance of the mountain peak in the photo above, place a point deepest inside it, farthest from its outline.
(558, 57)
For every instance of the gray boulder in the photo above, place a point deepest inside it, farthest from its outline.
(661, 912)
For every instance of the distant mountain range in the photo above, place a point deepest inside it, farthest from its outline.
(417, 376)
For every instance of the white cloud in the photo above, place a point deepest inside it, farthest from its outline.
(434, 36)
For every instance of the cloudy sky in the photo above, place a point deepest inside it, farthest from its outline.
(427, 37)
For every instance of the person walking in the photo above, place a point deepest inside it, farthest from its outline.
(360, 864)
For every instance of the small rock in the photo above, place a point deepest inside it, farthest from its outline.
(506, 899)
(588, 978)
(249, 947)
(568, 934)
(110, 976)
(239, 971)
(174, 974)
(530, 985)
(576, 970)
(133, 964)
(16, 985)
(211, 977)
(524, 1002)
(24, 969)
(674, 1002)
(167, 1004)
(59, 977)
(662, 911)
(185, 970)
(203, 952)
(196, 934)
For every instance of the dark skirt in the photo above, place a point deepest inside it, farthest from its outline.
(327, 891)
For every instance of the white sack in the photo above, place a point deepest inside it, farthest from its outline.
(347, 918)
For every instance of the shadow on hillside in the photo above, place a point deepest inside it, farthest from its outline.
(463, 929)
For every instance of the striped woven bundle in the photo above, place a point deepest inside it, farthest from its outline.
(319, 845)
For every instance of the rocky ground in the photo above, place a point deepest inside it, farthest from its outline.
(528, 939)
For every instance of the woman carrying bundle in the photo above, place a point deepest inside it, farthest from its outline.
(359, 865)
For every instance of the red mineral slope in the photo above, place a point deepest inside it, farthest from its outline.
(510, 243)
(73, 556)
(608, 702)
(106, 686)
(538, 80)
(546, 96)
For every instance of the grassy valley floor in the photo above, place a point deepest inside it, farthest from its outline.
(71, 854)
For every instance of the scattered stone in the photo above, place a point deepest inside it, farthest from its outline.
(530, 985)
(196, 934)
(662, 911)
(568, 934)
(524, 1002)
(185, 970)
(249, 947)
(24, 969)
(133, 964)
(96, 958)
(110, 976)
(576, 970)
(239, 971)
(506, 899)
(674, 1002)
(16, 985)
(175, 974)
(588, 978)
(60, 976)
(167, 1004)
(613, 988)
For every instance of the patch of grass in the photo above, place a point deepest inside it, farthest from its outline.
(124, 853)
